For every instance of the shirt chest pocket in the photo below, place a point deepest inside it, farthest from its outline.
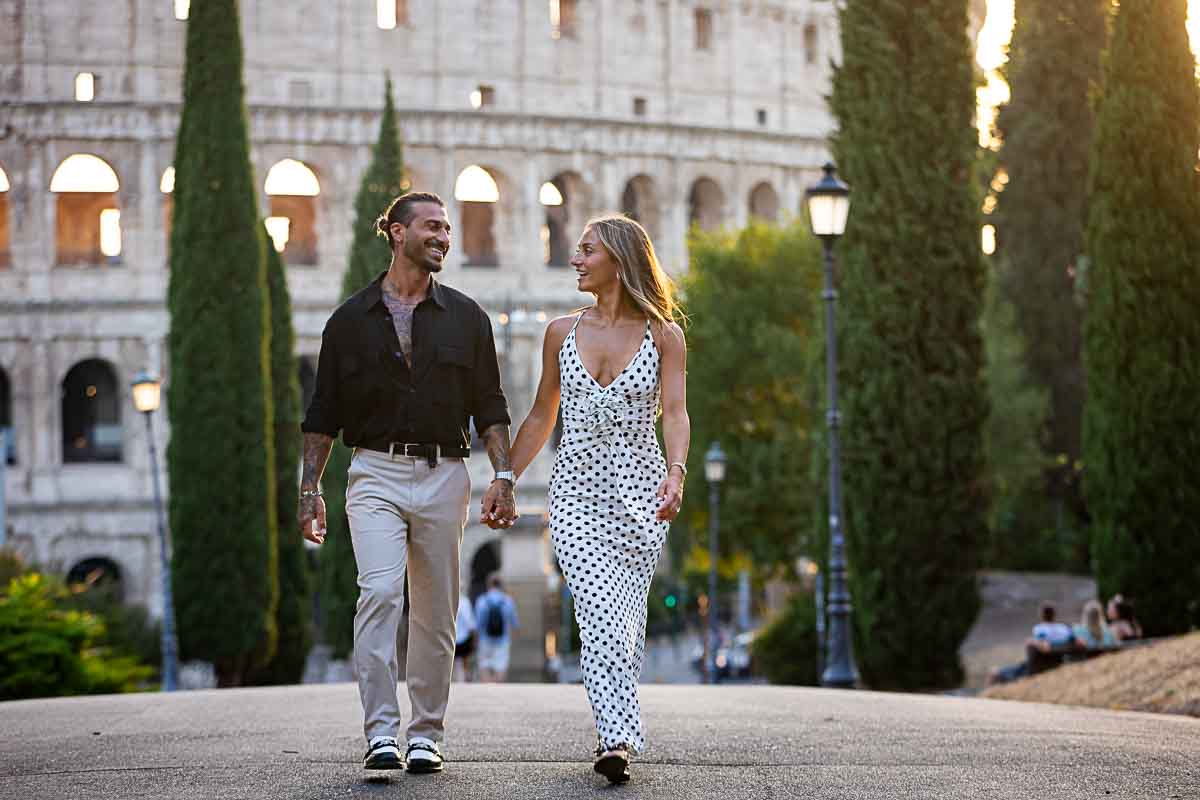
(356, 381)
(452, 373)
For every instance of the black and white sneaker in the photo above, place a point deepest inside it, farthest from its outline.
(423, 755)
(383, 752)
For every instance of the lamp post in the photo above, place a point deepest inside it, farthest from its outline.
(714, 473)
(828, 208)
(146, 397)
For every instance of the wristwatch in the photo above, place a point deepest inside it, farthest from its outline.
(506, 475)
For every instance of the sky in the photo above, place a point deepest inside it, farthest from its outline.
(991, 49)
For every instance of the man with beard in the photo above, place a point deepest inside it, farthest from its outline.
(405, 364)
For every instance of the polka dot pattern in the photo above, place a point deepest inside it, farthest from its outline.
(602, 507)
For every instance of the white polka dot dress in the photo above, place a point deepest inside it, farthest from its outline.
(602, 508)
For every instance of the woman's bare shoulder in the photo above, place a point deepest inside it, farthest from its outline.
(667, 336)
(558, 328)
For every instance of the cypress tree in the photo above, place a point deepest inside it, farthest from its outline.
(369, 255)
(1142, 330)
(912, 285)
(220, 456)
(1047, 128)
(293, 617)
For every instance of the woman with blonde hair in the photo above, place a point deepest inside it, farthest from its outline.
(612, 366)
(1091, 633)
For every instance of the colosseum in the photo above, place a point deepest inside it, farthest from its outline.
(528, 116)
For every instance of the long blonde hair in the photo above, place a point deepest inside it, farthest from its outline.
(1093, 619)
(642, 277)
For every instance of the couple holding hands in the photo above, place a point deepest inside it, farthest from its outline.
(406, 365)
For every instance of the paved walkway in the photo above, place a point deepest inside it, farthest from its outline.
(533, 741)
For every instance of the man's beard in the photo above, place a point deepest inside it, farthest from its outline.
(419, 254)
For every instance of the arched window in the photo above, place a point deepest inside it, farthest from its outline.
(706, 204)
(764, 203)
(91, 413)
(88, 218)
(811, 43)
(98, 573)
(478, 196)
(5, 246)
(485, 562)
(565, 200)
(9, 453)
(293, 188)
(639, 201)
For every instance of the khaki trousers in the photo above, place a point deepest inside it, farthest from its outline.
(405, 514)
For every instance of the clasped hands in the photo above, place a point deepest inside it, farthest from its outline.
(499, 507)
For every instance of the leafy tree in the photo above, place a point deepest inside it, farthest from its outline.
(1142, 330)
(750, 299)
(369, 255)
(220, 457)
(293, 617)
(1047, 129)
(912, 285)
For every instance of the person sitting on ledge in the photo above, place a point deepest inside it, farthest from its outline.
(1122, 620)
(1047, 635)
(1091, 633)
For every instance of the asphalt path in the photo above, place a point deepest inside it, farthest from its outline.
(518, 741)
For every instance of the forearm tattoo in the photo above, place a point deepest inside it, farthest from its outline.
(316, 454)
(496, 440)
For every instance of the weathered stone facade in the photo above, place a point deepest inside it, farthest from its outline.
(658, 100)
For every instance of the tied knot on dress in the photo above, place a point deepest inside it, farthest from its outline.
(603, 412)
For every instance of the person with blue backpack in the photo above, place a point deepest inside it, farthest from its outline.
(496, 617)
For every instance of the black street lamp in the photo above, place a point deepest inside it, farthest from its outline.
(147, 391)
(714, 473)
(828, 208)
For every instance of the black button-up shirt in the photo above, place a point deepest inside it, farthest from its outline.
(366, 389)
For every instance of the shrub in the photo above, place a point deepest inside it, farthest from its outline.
(786, 650)
(48, 648)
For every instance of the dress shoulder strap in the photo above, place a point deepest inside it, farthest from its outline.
(579, 317)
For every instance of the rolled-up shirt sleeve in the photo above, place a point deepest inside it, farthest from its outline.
(489, 406)
(324, 414)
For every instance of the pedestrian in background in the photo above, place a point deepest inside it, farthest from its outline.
(495, 620)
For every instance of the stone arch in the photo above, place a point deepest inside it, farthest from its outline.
(482, 204)
(764, 202)
(87, 211)
(565, 198)
(639, 201)
(484, 562)
(97, 572)
(293, 187)
(91, 413)
(706, 204)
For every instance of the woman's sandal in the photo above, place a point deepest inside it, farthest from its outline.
(613, 763)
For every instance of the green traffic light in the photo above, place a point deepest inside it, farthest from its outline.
(670, 601)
